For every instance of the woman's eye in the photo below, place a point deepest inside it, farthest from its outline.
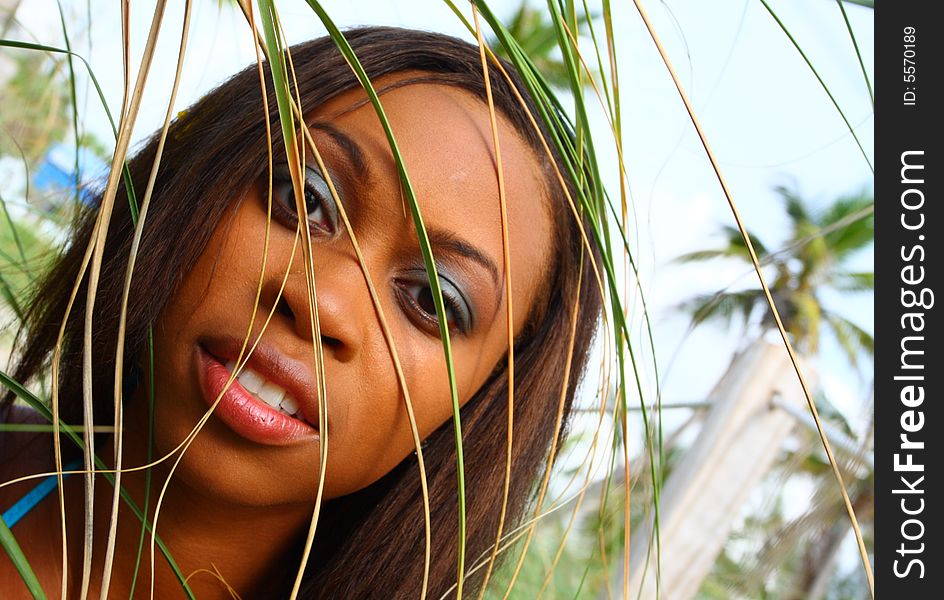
(417, 295)
(319, 204)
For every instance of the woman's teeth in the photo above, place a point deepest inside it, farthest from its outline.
(268, 392)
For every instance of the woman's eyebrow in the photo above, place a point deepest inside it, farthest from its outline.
(438, 238)
(349, 146)
(447, 240)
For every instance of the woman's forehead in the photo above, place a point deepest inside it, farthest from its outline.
(445, 137)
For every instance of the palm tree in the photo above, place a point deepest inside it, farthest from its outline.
(535, 31)
(813, 260)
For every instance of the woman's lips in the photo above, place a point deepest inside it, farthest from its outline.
(241, 411)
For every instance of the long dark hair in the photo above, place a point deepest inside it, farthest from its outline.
(370, 542)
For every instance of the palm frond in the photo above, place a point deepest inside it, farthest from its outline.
(722, 306)
(736, 240)
(794, 204)
(853, 235)
(706, 255)
(854, 282)
(853, 339)
(733, 247)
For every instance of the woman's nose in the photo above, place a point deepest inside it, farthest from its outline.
(344, 305)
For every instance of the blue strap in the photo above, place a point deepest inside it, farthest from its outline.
(35, 496)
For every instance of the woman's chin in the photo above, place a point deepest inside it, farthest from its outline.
(248, 483)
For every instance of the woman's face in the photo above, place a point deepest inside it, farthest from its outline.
(262, 444)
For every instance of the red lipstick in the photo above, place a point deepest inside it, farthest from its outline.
(244, 412)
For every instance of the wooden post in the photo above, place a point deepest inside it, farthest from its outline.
(705, 494)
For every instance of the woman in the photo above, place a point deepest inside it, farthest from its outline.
(237, 508)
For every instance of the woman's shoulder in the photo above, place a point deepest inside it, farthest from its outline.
(22, 453)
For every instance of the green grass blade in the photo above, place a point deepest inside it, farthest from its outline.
(9, 296)
(22, 565)
(72, 96)
(23, 264)
(150, 458)
(578, 160)
(280, 69)
(428, 259)
(855, 45)
(821, 82)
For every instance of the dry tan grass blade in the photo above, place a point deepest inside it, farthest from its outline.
(95, 252)
(391, 345)
(770, 302)
(240, 361)
(623, 204)
(296, 165)
(574, 211)
(612, 121)
(122, 324)
(215, 573)
(559, 504)
(506, 256)
(545, 480)
(401, 378)
(56, 439)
